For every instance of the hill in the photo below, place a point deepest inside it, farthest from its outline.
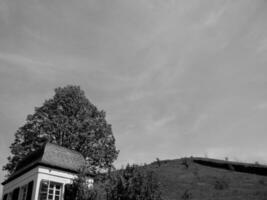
(209, 179)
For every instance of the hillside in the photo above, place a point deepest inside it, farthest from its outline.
(186, 179)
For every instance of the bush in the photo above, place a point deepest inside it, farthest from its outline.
(231, 167)
(196, 173)
(221, 184)
(185, 162)
(262, 181)
(187, 195)
(132, 183)
(79, 189)
(158, 162)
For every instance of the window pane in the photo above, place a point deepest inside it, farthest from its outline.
(43, 190)
(23, 192)
(44, 187)
(29, 192)
(15, 195)
(69, 193)
(9, 196)
(43, 197)
(50, 190)
(5, 197)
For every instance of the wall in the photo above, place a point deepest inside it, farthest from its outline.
(22, 180)
(38, 174)
(46, 173)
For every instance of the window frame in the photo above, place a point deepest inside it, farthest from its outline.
(9, 196)
(51, 190)
(23, 192)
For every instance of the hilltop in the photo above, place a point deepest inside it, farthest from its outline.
(201, 178)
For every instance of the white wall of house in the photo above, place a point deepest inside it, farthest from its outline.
(21, 181)
(38, 174)
(46, 173)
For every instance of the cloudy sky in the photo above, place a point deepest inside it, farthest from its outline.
(176, 77)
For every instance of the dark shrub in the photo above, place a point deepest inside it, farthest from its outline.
(262, 181)
(185, 162)
(221, 184)
(158, 162)
(132, 183)
(186, 195)
(79, 189)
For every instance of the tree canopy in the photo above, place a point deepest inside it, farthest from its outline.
(68, 119)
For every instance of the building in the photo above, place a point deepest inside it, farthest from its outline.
(44, 174)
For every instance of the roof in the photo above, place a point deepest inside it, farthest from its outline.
(51, 155)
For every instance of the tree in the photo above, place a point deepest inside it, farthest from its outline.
(70, 120)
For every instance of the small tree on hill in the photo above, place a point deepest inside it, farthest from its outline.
(70, 120)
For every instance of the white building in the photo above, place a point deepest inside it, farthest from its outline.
(43, 174)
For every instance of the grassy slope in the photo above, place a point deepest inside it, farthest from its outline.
(204, 182)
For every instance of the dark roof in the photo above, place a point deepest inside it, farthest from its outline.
(51, 155)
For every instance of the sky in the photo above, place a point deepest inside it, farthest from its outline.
(175, 77)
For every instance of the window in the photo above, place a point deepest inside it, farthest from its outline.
(23, 192)
(9, 196)
(15, 194)
(5, 197)
(29, 191)
(69, 194)
(50, 190)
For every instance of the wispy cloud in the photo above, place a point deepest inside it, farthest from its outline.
(214, 17)
(175, 77)
(23, 61)
(262, 45)
(261, 106)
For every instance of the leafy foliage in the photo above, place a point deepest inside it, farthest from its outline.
(158, 162)
(178, 182)
(79, 189)
(186, 195)
(70, 120)
(221, 184)
(132, 183)
(185, 162)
